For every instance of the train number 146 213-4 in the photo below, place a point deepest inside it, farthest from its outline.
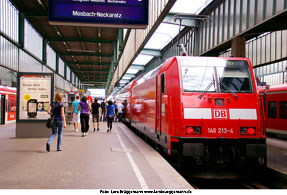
(220, 130)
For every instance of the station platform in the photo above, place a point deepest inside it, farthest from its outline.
(101, 160)
(277, 157)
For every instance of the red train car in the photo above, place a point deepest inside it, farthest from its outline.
(7, 104)
(124, 96)
(205, 109)
(275, 103)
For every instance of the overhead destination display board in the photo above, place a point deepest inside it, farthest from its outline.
(102, 13)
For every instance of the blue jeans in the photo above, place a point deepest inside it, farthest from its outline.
(103, 115)
(58, 125)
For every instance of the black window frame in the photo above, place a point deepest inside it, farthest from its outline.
(272, 112)
(283, 109)
(162, 77)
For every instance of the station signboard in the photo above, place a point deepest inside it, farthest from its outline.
(102, 13)
(34, 96)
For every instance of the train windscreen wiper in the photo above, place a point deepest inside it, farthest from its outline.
(206, 89)
(228, 90)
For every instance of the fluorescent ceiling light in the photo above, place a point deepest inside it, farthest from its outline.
(97, 92)
(126, 78)
(142, 59)
(123, 82)
(132, 71)
(162, 36)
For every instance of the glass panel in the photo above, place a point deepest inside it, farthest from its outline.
(132, 71)
(197, 78)
(282, 110)
(32, 40)
(142, 59)
(162, 36)
(189, 7)
(269, 8)
(235, 78)
(199, 74)
(279, 5)
(61, 67)
(272, 110)
(9, 20)
(51, 58)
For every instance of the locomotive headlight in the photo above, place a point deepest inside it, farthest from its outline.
(193, 130)
(219, 102)
(251, 131)
(247, 131)
(243, 130)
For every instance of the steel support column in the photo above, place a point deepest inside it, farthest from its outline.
(21, 30)
(238, 47)
(44, 51)
(57, 63)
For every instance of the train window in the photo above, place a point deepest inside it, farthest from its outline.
(162, 83)
(234, 78)
(197, 79)
(7, 106)
(228, 75)
(282, 110)
(272, 109)
(12, 108)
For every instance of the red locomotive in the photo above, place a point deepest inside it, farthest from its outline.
(275, 102)
(205, 109)
(7, 104)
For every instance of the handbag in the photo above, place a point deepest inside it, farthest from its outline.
(50, 122)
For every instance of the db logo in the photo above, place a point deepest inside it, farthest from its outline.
(220, 113)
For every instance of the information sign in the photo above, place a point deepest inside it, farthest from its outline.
(106, 13)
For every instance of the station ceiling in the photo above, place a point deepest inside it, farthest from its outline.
(88, 51)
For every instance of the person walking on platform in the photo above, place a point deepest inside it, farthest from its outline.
(85, 115)
(110, 113)
(120, 111)
(116, 111)
(96, 111)
(103, 107)
(75, 116)
(57, 110)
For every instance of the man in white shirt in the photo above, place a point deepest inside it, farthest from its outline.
(120, 111)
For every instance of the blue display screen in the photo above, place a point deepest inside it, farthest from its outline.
(119, 12)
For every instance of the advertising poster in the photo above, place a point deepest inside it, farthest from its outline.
(35, 94)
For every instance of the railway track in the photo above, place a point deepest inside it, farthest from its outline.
(225, 184)
(260, 181)
(253, 185)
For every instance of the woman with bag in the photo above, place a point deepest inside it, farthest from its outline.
(57, 110)
(85, 115)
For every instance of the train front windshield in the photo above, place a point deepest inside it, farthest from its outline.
(215, 75)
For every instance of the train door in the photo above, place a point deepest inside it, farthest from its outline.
(2, 110)
(160, 90)
(124, 118)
